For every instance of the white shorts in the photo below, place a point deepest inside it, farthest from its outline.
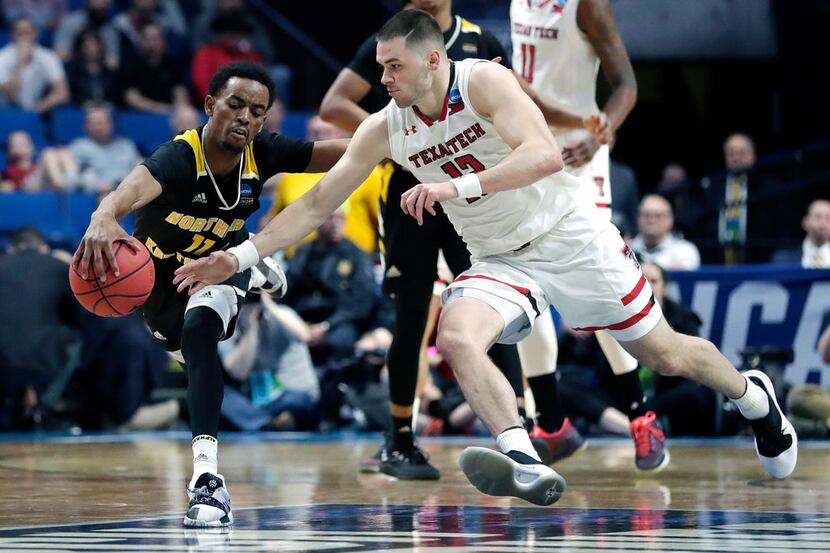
(595, 177)
(582, 267)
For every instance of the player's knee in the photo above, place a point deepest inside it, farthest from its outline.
(202, 326)
(453, 343)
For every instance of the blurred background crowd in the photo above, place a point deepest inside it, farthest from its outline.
(725, 160)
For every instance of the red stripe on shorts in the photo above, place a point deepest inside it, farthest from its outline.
(603, 205)
(631, 321)
(632, 295)
(523, 291)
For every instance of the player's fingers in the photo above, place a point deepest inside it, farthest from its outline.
(178, 277)
(98, 260)
(196, 287)
(84, 265)
(131, 242)
(185, 282)
(79, 254)
(108, 253)
(497, 59)
(429, 205)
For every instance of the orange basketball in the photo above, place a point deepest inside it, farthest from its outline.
(117, 296)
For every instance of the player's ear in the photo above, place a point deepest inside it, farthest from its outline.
(433, 59)
(210, 104)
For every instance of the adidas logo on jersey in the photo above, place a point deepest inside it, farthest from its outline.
(200, 198)
(393, 272)
(159, 335)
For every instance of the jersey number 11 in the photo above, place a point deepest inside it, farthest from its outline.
(528, 61)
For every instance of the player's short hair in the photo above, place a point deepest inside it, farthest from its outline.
(416, 26)
(243, 70)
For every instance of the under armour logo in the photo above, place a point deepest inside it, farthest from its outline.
(412, 130)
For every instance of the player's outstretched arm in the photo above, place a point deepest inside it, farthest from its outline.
(136, 190)
(325, 154)
(368, 147)
(496, 95)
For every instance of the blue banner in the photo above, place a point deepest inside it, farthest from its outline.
(761, 305)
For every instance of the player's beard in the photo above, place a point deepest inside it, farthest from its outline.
(233, 148)
(420, 88)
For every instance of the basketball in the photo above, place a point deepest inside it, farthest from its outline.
(117, 296)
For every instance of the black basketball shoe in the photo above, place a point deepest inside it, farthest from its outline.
(409, 463)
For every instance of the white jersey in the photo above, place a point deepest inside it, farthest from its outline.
(553, 55)
(463, 141)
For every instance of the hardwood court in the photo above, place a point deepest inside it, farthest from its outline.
(306, 495)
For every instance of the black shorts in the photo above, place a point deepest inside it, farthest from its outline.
(164, 309)
(410, 251)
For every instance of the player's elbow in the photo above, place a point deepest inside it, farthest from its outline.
(331, 108)
(551, 162)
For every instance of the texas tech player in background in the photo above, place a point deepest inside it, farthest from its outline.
(558, 47)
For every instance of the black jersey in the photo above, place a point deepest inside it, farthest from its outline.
(189, 219)
(463, 40)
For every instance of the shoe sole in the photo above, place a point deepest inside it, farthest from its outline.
(663, 464)
(191, 523)
(370, 468)
(784, 464)
(492, 473)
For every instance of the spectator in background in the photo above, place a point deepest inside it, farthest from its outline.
(90, 78)
(31, 76)
(229, 44)
(740, 219)
(676, 186)
(166, 14)
(38, 325)
(184, 118)
(362, 213)
(94, 17)
(814, 252)
(100, 159)
(22, 172)
(625, 196)
(268, 356)
(656, 243)
(44, 14)
(154, 82)
(330, 286)
(202, 33)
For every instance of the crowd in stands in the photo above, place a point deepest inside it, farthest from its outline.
(313, 358)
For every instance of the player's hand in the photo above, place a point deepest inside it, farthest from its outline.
(580, 153)
(423, 196)
(96, 244)
(599, 128)
(216, 268)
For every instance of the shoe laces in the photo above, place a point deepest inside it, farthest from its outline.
(642, 429)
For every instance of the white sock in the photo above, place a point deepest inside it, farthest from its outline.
(754, 404)
(516, 439)
(205, 449)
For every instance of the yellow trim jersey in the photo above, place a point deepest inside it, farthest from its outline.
(188, 219)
